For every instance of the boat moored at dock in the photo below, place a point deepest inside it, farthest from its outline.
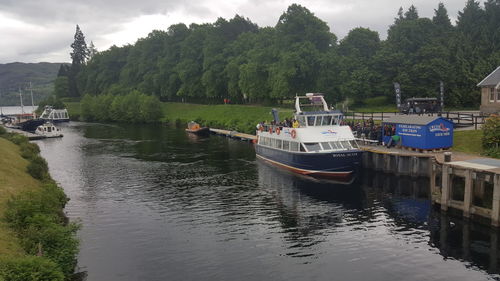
(314, 144)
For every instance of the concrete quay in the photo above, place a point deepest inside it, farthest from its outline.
(469, 184)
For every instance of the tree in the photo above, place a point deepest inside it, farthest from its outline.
(441, 17)
(61, 87)
(92, 50)
(412, 13)
(80, 51)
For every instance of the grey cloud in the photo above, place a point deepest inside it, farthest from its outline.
(55, 20)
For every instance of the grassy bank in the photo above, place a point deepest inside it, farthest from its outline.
(14, 180)
(36, 242)
(241, 118)
(468, 141)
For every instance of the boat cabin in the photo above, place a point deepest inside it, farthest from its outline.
(55, 115)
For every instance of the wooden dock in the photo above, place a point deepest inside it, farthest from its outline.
(234, 135)
(29, 135)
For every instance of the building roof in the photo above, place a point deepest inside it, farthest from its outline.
(413, 119)
(492, 79)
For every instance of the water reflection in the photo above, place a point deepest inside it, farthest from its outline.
(156, 204)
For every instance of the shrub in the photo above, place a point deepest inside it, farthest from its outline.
(16, 138)
(2, 130)
(54, 240)
(491, 136)
(40, 224)
(38, 168)
(30, 268)
(29, 150)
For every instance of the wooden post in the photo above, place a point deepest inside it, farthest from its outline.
(495, 209)
(467, 193)
(445, 187)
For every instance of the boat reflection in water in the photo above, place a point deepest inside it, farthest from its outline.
(375, 203)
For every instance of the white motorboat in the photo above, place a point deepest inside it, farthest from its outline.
(48, 130)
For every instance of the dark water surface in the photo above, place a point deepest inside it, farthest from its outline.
(157, 204)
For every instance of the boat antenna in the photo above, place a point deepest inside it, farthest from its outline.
(21, 97)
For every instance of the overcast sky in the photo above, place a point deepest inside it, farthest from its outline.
(42, 30)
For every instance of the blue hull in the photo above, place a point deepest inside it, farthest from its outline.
(341, 164)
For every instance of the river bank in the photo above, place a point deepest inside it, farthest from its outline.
(36, 241)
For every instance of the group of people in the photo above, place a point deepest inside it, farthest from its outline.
(368, 130)
(288, 123)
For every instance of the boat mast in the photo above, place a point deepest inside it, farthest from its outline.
(32, 104)
(21, 98)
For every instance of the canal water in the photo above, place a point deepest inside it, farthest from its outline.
(157, 204)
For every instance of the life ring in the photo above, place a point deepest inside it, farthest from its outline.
(270, 130)
(278, 131)
(293, 133)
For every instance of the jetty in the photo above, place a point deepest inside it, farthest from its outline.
(29, 135)
(234, 135)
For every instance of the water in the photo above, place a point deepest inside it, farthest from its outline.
(10, 110)
(157, 204)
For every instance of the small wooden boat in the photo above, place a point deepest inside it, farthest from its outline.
(194, 128)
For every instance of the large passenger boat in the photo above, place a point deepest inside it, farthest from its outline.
(314, 143)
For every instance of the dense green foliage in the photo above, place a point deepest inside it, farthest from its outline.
(491, 136)
(133, 108)
(37, 219)
(15, 76)
(30, 268)
(234, 59)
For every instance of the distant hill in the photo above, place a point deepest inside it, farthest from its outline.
(15, 76)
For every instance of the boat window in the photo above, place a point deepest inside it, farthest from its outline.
(294, 146)
(335, 145)
(354, 144)
(302, 121)
(286, 145)
(346, 144)
(65, 115)
(278, 143)
(327, 120)
(312, 146)
(326, 146)
(302, 148)
(318, 121)
(310, 120)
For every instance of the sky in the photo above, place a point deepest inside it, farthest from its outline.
(43, 30)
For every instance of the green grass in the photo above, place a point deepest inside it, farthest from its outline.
(73, 108)
(468, 141)
(242, 118)
(13, 180)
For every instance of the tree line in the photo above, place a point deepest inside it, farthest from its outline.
(237, 60)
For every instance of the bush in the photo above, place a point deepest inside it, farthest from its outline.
(30, 268)
(38, 168)
(54, 240)
(16, 138)
(49, 200)
(2, 131)
(40, 224)
(134, 107)
(29, 150)
(491, 136)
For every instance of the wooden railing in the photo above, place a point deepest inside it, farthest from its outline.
(460, 119)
